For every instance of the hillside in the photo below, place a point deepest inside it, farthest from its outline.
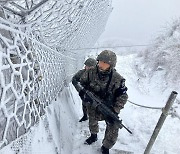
(61, 132)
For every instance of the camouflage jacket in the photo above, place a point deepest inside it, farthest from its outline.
(111, 88)
(76, 78)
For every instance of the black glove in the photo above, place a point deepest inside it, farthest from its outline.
(82, 94)
(109, 120)
(88, 99)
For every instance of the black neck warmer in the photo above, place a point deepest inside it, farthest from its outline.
(103, 74)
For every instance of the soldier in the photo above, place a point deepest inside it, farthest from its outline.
(89, 63)
(108, 85)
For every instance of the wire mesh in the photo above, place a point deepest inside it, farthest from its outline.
(38, 42)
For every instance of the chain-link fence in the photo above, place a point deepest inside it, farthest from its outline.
(38, 42)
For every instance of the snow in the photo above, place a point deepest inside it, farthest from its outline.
(60, 132)
(141, 121)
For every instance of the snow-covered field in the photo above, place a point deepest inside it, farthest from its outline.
(60, 132)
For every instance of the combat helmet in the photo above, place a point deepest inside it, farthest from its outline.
(109, 57)
(90, 62)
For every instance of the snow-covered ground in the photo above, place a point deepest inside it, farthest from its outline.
(140, 120)
(60, 132)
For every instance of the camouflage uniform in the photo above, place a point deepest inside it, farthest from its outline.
(90, 62)
(75, 81)
(109, 87)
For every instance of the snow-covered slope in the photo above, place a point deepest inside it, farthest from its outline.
(163, 57)
(141, 121)
(149, 93)
(55, 131)
(60, 132)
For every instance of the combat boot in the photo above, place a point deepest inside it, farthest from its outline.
(84, 118)
(91, 139)
(104, 150)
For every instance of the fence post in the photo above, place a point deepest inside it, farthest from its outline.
(162, 118)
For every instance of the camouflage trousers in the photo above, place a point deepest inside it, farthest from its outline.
(111, 132)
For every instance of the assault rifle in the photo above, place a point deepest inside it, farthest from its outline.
(105, 111)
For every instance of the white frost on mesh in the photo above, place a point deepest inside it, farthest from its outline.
(41, 48)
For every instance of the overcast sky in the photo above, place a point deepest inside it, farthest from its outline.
(140, 20)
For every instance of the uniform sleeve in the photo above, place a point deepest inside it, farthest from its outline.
(120, 97)
(120, 102)
(76, 79)
(84, 80)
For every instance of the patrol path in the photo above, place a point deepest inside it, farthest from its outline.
(82, 134)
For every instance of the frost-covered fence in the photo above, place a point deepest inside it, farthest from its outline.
(39, 52)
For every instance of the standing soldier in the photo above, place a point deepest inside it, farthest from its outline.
(108, 85)
(89, 63)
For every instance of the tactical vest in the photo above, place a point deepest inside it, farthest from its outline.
(105, 89)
